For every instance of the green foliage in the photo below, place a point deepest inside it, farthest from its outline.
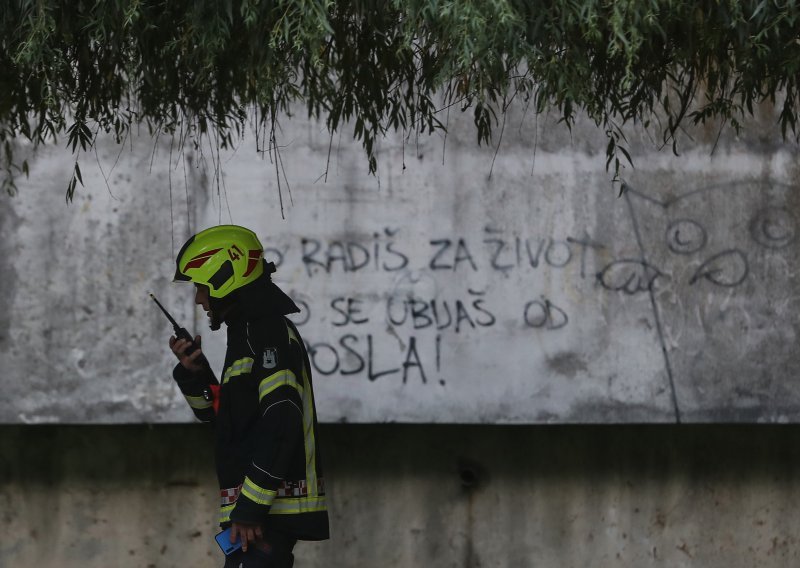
(194, 68)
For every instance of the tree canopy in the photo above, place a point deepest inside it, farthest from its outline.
(189, 68)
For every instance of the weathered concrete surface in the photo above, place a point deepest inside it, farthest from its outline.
(432, 292)
(405, 495)
(78, 332)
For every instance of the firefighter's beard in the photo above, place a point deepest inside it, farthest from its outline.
(214, 321)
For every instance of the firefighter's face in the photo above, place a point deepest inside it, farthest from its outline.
(201, 297)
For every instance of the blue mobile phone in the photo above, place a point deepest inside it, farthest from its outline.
(224, 541)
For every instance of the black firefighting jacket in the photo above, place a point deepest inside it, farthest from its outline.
(267, 449)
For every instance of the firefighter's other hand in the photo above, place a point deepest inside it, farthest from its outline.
(193, 362)
(247, 533)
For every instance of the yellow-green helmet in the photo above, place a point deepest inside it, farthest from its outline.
(224, 258)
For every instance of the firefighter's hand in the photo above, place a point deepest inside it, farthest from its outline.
(247, 533)
(193, 362)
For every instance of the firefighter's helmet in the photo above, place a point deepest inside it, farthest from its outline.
(224, 258)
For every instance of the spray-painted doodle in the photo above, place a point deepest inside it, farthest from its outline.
(712, 281)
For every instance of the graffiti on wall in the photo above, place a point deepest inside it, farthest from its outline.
(447, 291)
(706, 262)
(415, 310)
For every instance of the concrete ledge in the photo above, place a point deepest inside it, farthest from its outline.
(417, 495)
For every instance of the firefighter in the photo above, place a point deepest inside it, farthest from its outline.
(267, 449)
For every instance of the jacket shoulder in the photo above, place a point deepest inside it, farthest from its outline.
(271, 342)
(272, 332)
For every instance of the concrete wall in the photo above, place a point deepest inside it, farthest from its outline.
(455, 286)
(676, 301)
(710, 496)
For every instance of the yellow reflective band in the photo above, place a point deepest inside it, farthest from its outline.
(308, 425)
(198, 402)
(308, 435)
(298, 505)
(279, 379)
(240, 367)
(225, 513)
(257, 494)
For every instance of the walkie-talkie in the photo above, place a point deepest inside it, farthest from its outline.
(180, 332)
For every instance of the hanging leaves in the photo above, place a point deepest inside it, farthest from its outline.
(198, 66)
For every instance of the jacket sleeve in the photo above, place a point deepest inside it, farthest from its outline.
(279, 439)
(197, 389)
